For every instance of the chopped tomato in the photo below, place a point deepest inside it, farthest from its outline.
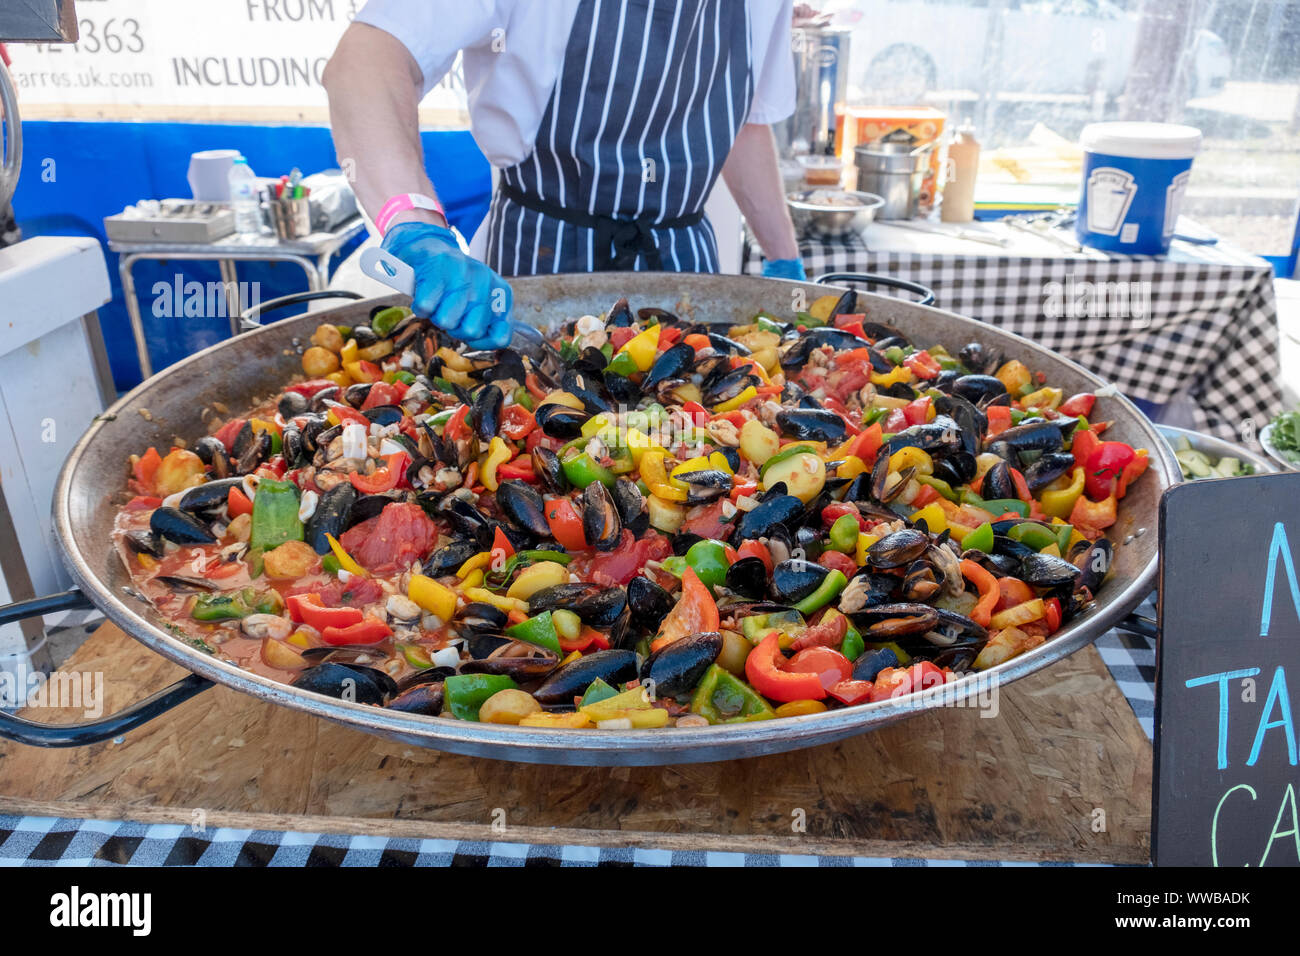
(895, 421)
(622, 564)
(1132, 471)
(456, 427)
(1084, 444)
(999, 417)
(755, 549)
(384, 478)
(867, 444)
(565, 524)
(1105, 468)
(852, 692)
(384, 393)
(347, 415)
(399, 535)
(227, 432)
(828, 664)
(308, 609)
(707, 521)
(620, 336)
(1052, 607)
(923, 365)
(146, 468)
(697, 411)
(520, 468)
(925, 496)
(918, 412)
(668, 337)
(695, 612)
(145, 503)
(311, 387)
(1012, 591)
(517, 422)
(838, 561)
(501, 546)
(1022, 486)
(900, 681)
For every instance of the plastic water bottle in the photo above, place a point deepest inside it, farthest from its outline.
(243, 198)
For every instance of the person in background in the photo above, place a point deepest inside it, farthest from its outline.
(607, 122)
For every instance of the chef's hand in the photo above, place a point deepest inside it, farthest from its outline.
(460, 294)
(784, 269)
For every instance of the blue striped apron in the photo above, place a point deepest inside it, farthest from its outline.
(648, 102)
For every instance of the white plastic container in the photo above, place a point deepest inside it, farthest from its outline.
(1134, 178)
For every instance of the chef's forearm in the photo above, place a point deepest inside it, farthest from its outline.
(754, 178)
(374, 85)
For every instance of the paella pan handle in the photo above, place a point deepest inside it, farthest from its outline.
(870, 278)
(37, 734)
(1139, 624)
(251, 318)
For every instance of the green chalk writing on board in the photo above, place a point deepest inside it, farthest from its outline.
(1278, 547)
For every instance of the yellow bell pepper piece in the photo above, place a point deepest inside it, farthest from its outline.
(958, 532)
(573, 656)
(562, 398)
(635, 699)
(344, 559)
(912, 457)
(884, 379)
(1046, 397)
(864, 541)
(638, 442)
(934, 518)
(381, 349)
(656, 478)
(459, 378)
(1059, 502)
(473, 580)
(731, 404)
(499, 601)
(341, 379)
(643, 347)
(299, 639)
(575, 720)
(432, 596)
(498, 454)
(852, 467)
(146, 560)
(637, 719)
(596, 424)
(349, 351)
(452, 359)
(476, 563)
(719, 461)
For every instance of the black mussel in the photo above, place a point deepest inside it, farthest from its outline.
(898, 549)
(870, 663)
(956, 469)
(365, 336)
(465, 517)
(747, 577)
(868, 589)
(1040, 435)
(600, 521)
(532, 665)
(357, 393)
(978, 359)
(676, 668)
(421, 699)
(1046, 570)
(486, 411)
(1095, 564)
(1004, 544)
(683, 541)
(662, 316)
(213, 454)
(726, 387)
(350, 682)
(941, 435)
(953, 628)
(143, 542)
(619, 315)
(972, 422)
(186, 584)
(796, 354)
(291, 404)
(762, 520)
(622, 389)
(998, 483)
(596, 605)
(547, 467)
(1047, 468)
(732, 456)
(252, 451)
(919, 582)
(294, 447)
(847, 304)
(179, 528)
(706, 484)
(1000, 565)
(811, 424)
(859, 489)
(673, 363)
(631, 505)
(810, 538)
(887, 622)
(727, 345)
(586, 388)
(977, 388)
(385, 415)
(207, 498)
(614, 667)
(881, 489)
(313, 426)
(448, 559)
(320, 401)
(504, 364)
(480, 616)
(523, 505)
(648, 603)
(560, 421)
(332, 516)
(482, 645)
(365, 507)
(795, 579)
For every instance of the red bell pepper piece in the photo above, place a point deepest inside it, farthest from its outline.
(895, 421)
(384, 393)
(1076, 405)
(456, 427)
(368, 631)
(899, 681)
(999, 417)
(852, 692)
(699, 415)
(1022, 486)
(1088, 515)
(987, 584)
(867, 444)
(1132, 471)
(520, 468)
(227, 432)
(565, 524)
(923, 365)
(1105, 466)
(310, 387)
(828, 664)
(502, 549)
(146, 468)
(917, 412)
(347, 415)
(925, 496)
(237, 503)
(668, 336)
(756, 549)
(384, 478)
(308, 609)
(769, 678)
(1084, 444)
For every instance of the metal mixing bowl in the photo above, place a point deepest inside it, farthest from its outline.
(831, 220)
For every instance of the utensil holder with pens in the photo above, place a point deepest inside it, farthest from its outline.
(291, 218)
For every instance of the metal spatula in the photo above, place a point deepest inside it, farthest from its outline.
(382, 266)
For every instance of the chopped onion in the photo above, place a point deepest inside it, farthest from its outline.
(307, 506)
(354, 441)
(446, 657)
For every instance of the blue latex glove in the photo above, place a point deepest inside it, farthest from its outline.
(784, 269)
(460, 294)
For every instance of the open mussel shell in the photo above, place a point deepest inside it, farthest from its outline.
(811, 424)
(998, 483)
(483, 645)
(1046, 570)
(250, 449)
(919, 582)
(1047, 468)
(887, 622)
(546, 465)
(748, 578)
(524, 506)
(430, 675)
(673, 363)
(481, 616)
(213, 454)
(332, 516)
(795, 579)
(534, 665)
(648, 603)
(586, 387)
(614, 667)
(597, 606)
(600, 521)
(631, 505)
(898, 549)
(178, 527)
(1094, 563)
(207, 498)
(449, 558)
(678, 667)
(763, 520)
(561, 421)
(881, 490)
(351, 682)
(705, 485)
(423, 699)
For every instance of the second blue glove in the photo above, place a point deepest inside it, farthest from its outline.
(460, 294)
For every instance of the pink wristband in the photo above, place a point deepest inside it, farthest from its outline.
(402, 202)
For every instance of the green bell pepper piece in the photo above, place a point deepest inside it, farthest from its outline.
(873, 415)
(709, 560)
(1063, 532)
(895, 355)
(464, 694)
(808, 320)
(939, 485)
(1000, 506)
(769, 323)
(524, 397)
(827, 591)
(722, 698)
(597, 690)
(853, 645)
(844, 534)
(219, 607)
(539, 631)
(981, 539)
(275, 514)
(675, 565)
(789, 451)
(330, 564)
(386, 320)
(581, 471)
(1036, 536)
(622, 364)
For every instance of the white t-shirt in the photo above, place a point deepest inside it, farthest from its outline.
(513, 50)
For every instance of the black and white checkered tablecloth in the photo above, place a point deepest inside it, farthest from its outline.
(1210, 333)
(61, 841)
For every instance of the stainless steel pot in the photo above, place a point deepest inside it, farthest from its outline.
(254, 365)
(893, 171)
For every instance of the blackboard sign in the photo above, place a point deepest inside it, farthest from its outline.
(1227, 672)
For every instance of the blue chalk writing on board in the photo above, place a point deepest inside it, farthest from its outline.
(1277, 695)
(1278, 547)
(1222, 680)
